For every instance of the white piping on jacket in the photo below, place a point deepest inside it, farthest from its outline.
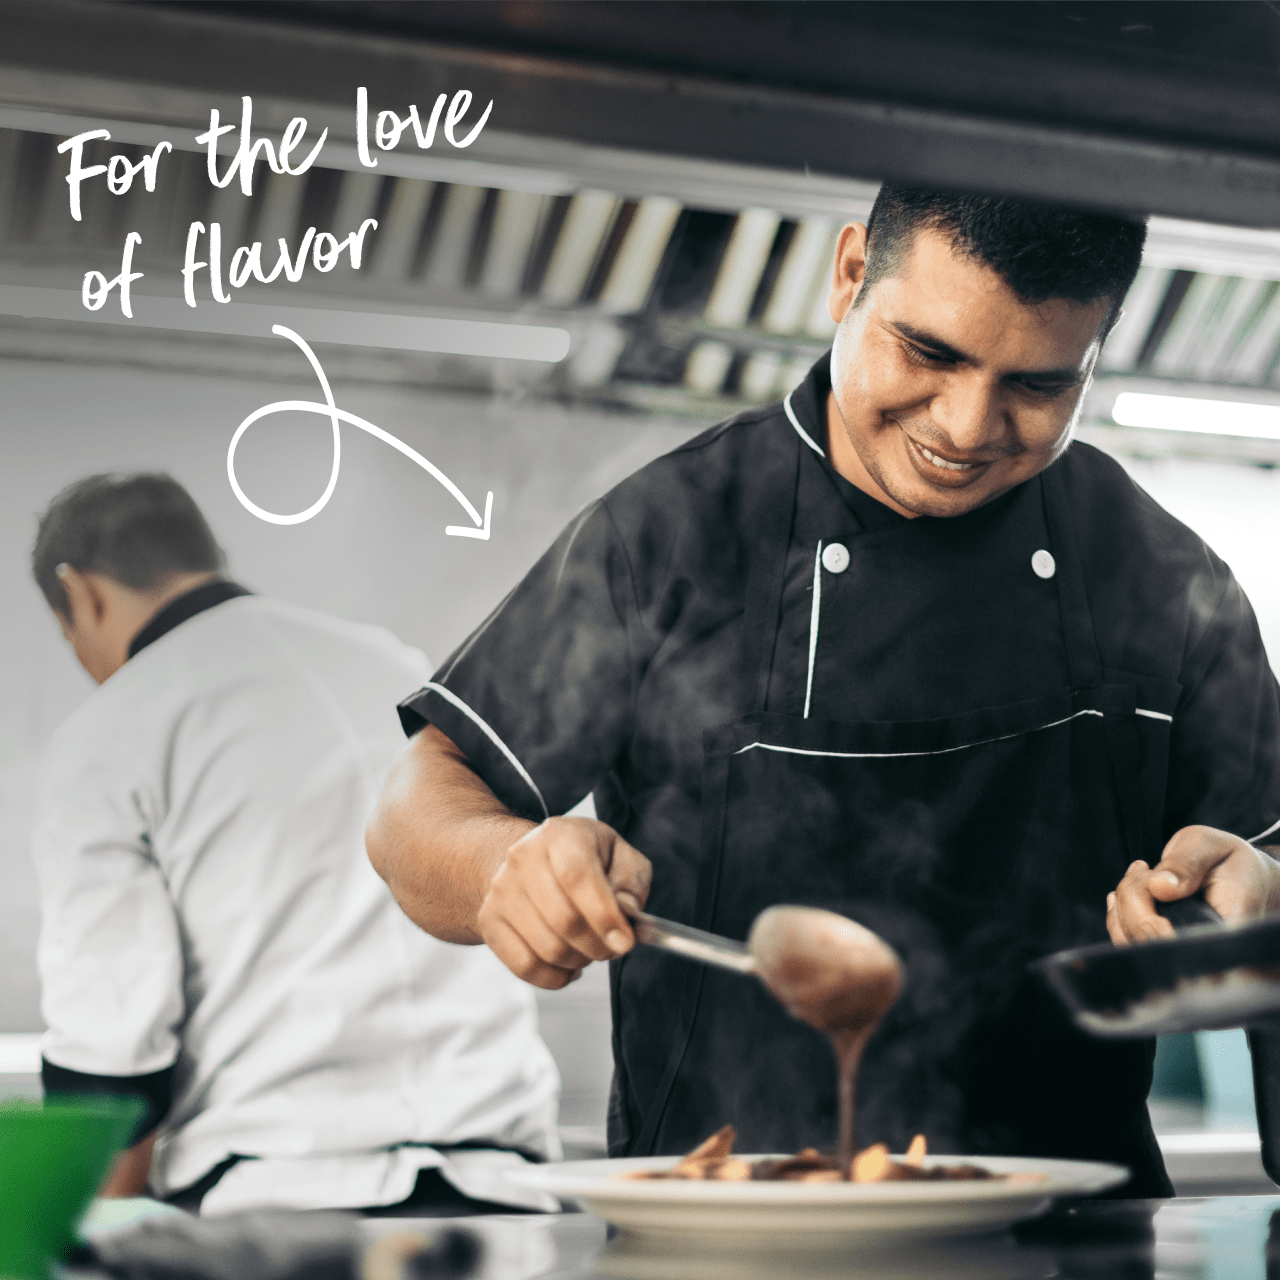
(455, 701)
(1275, 826)
(795, 422)
(815, 614)
(1152, 715)
(894, 755)
(816, 609)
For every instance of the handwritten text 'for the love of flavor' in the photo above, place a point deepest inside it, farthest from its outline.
(293, 155)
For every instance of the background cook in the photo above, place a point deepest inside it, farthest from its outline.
(890, 647)
(212, 937)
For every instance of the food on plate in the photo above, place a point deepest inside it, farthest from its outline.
(714, 1161)
(839, 978)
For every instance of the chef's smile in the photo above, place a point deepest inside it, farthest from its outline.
(942, 462)
(938, 468)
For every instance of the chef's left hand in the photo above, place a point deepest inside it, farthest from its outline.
(1239, 881)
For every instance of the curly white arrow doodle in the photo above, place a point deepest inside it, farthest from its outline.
(335, 415)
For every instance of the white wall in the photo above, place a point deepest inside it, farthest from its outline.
(1236, 509)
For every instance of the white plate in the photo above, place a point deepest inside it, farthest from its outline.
(816, 1216)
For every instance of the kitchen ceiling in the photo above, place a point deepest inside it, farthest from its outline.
(689, 285)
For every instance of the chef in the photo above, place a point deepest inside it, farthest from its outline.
(894, 647)
(213, 940)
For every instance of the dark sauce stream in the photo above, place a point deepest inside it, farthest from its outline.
(839, 978)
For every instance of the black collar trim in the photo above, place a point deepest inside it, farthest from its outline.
(184, 607)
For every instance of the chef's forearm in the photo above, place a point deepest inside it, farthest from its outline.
(439, 836)
(130, 1170)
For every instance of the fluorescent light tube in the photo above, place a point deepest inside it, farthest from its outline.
(498, 338)
(1205, 417)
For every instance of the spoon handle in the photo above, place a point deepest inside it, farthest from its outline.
(695, 944)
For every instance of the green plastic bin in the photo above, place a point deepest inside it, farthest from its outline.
(53, 1157)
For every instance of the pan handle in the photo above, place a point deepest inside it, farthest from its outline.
(1186, 913)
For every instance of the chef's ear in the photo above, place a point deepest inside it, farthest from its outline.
(84, 599)
(67, 614)
(849, 269)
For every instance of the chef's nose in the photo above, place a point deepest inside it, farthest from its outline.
(969, 413)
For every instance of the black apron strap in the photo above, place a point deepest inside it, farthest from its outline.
(1083, 659)
(768, 516)
(715, 786)
(770, 510)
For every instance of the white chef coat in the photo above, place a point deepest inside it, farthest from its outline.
(207, 901)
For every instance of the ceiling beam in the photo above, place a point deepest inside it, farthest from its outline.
(149, 53)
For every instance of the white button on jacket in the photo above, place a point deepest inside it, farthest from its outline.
(1043, 564)
(835, 557)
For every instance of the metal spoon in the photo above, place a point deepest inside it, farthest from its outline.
(695, 944)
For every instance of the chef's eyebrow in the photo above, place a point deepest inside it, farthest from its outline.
(936, 345)
(923, 339)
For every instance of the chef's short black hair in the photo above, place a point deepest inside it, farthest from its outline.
(138, 529)
(1041, 251)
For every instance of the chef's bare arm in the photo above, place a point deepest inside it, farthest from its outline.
(1239, 880)
(130, 1170)
(466, 869)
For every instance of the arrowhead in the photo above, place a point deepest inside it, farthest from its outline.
(461, 531)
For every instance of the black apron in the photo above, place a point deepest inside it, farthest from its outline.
(973, 844)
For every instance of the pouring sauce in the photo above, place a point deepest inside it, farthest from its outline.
(839, 978)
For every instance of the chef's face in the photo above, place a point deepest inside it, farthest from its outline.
(947, 390)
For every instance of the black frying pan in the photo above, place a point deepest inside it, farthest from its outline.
(1209, 977)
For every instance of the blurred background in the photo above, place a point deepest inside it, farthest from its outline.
(663, 181)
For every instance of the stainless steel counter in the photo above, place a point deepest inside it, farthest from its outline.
(1225, 1238)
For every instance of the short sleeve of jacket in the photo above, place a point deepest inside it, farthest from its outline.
(1224, 767)
(110, 954)
(540, 697)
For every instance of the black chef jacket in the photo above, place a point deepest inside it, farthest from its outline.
(605, 667)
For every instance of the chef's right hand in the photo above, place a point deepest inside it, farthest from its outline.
(553, 906)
